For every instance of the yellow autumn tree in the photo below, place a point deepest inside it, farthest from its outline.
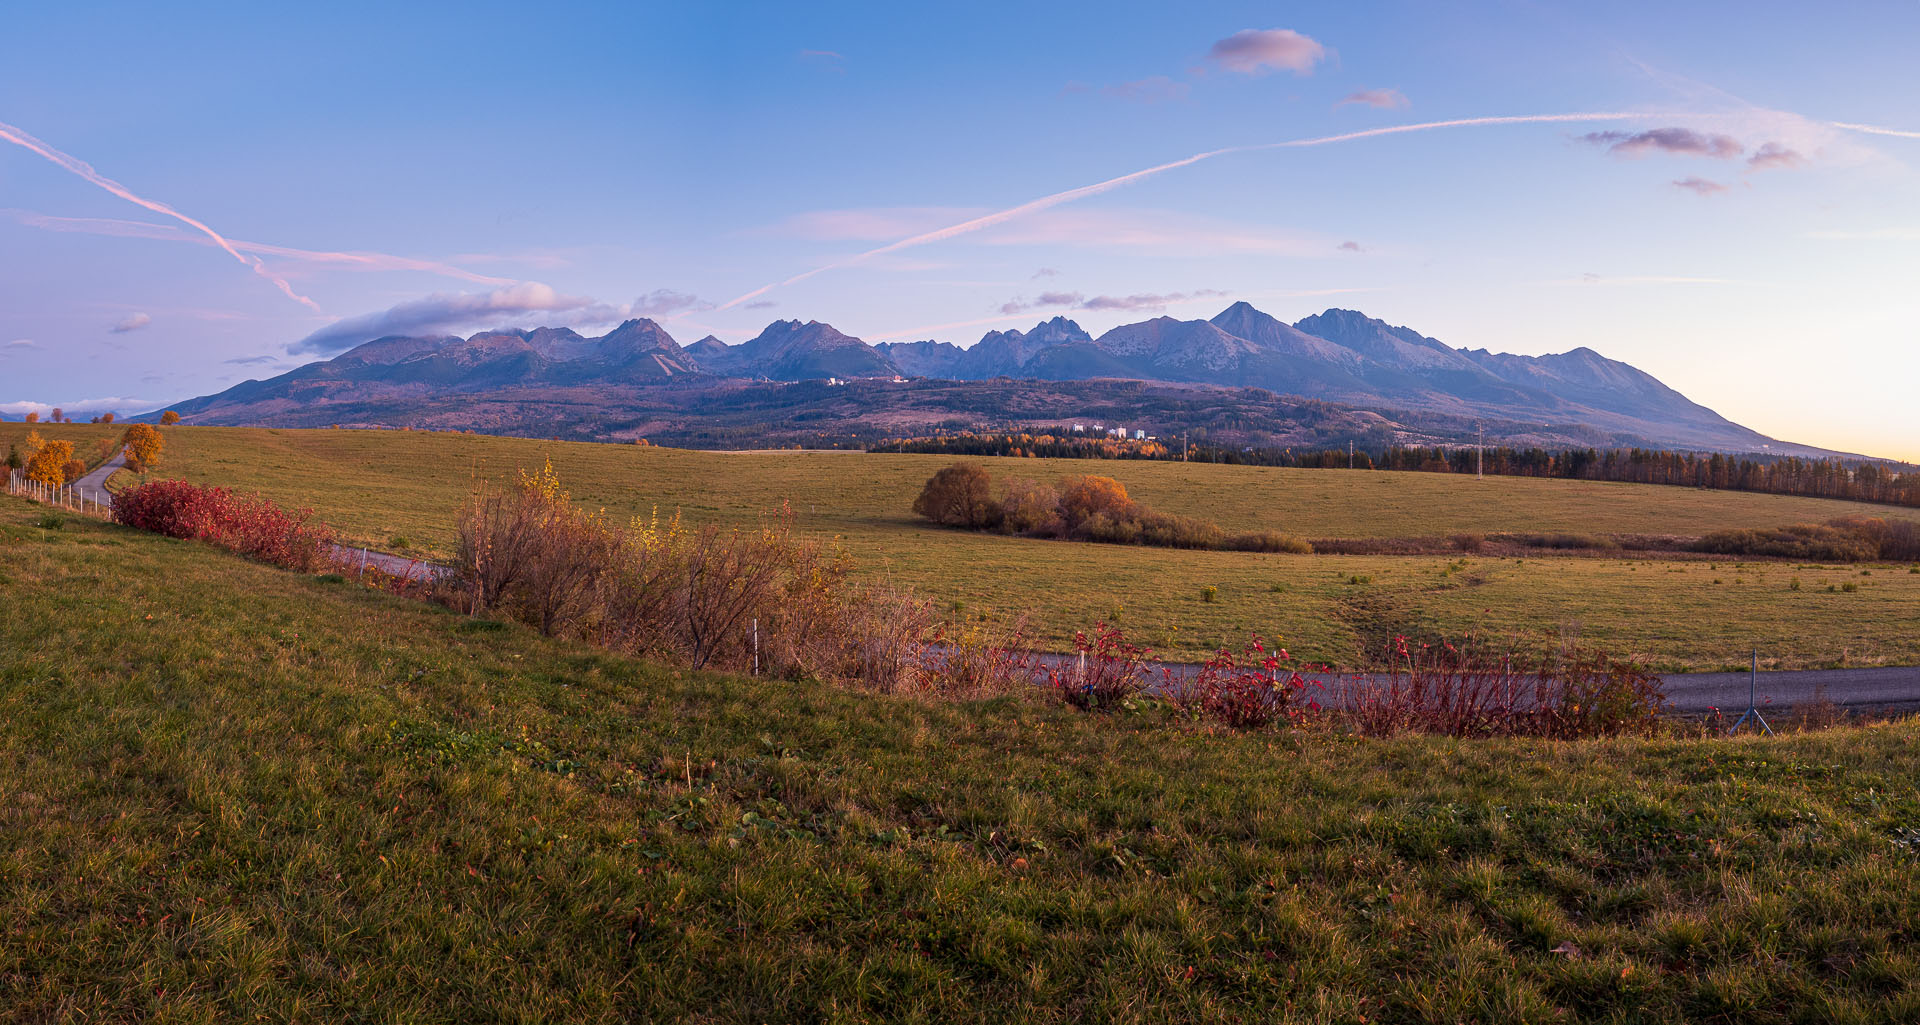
(49, 464)
(169, 418)
(143, 445)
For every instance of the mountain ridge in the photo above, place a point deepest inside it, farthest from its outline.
(1340, 356)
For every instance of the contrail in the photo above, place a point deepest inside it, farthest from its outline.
(1045, 202)
(80, 167)
(1875, 130)
(146, 229)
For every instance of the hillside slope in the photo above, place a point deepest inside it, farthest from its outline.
(228, 792)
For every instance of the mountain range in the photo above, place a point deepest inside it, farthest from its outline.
(1338, 356)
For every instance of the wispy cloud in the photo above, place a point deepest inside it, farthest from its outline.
(1646, 279)
(764, 304)
(1383, 99)
(1254, 51)
(243, 361)
(1045, 272)
(1165, 231)
(665, 302)
(1156, 89)
(1868, 235)
(1351, 246)
(444, 312)
(1700, 186)
(1034, 206)
(133, 323)
(1774, 156)
(355, 261)
(1098, 303)
(1683, 141)
(20, 344)
(81, 168)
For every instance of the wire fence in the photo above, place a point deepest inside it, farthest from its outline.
(87, 502)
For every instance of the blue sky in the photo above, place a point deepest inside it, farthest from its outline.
(472, 166)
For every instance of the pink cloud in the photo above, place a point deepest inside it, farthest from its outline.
(1774, 156)
(1700, 186)
(1682, 141)
(1254, 51)
(1383, 99)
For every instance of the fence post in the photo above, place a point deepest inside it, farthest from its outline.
(363, 565)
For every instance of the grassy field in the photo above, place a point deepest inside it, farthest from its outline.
(229, 792)
(395, 489)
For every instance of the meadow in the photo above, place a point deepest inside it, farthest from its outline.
(401, 490)
(232, 792)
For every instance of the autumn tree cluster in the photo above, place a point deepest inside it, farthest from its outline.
(1082, 508)
(48, 462)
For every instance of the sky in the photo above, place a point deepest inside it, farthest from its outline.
(1724, 195)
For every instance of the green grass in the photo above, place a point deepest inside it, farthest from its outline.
(378, 485)
(229, 793)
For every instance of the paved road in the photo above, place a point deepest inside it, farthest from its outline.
(398, 565)
(93, 487)
(1879, 690)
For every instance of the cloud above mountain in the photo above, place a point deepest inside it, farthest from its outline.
(1257, 51)
(665, 302)
(443, 312)
(1078, 301)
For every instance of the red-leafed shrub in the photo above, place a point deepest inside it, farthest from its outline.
(247, 524)
(1249, 691)
(1105, 671)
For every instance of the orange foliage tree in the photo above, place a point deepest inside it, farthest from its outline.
(49, 464)
(169, 418)
(143, 444)
(1085, 496)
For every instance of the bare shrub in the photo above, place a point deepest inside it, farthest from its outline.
(959, 496)
(1468, 541)
(979, 660)
(1466, 692)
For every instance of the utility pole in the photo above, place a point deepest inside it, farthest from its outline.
(1479, 455)
(1349, 453)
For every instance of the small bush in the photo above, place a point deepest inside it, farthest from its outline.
(49, 521)
(1469, 542)
(1107, 670)
(1569, 542)
(1252, 690)
(1209, 594)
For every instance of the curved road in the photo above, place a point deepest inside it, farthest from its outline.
(93, 487)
